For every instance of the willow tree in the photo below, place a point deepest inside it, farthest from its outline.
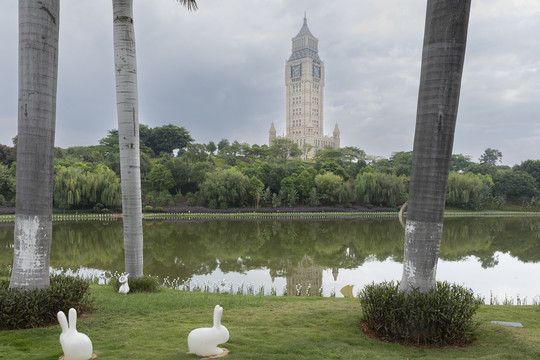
(125, 69)
(440, 82)
(38, 69)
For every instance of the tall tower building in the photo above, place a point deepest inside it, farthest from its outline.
(304, 80)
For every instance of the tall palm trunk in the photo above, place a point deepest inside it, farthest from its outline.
(125, 69)
(440, 81)
(38, 69)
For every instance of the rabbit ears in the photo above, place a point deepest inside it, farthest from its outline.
(72, 320)
(218, 312)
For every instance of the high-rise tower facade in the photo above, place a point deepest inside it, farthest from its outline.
(304, 80)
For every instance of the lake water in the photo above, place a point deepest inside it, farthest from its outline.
(497, 257)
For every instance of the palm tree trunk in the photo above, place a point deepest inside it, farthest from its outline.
(125, 67)
(440, 81)
(38, 69)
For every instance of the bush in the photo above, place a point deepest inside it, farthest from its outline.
(146, 284)
(24, 309)
(148, 209)
(443, 315)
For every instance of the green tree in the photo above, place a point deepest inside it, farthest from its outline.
(290, 183)
(7, 154)
(111, 140)
(514, 183)
(38, 70)
(354, 160)
(283, 149)
(345, 162)
(225, 188)
(7, 184)
(443, 56)
(261, 152)
(531, 167)
(223, 146)
(468, 190)
(292, 197)
(460, 162)
(167, 138)
(328, 186)
(401, 163)
(383, 166)
(491, 157)
(195, 153)
(256, 188)
(211, 147)
(188, 175)
(161, 178)
(75, 187)
(380, 189)
(484, 169)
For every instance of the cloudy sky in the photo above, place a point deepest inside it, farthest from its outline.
(219, 72)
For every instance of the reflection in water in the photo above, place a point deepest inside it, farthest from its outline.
(306, 279)
(299, 252)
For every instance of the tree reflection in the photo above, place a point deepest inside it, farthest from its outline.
(183, 249)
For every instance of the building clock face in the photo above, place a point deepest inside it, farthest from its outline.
(296, 70)
(316, 71)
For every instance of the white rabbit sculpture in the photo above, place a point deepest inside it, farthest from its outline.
(76, 345)
(204, 341)
(124, 288)
(101, 280)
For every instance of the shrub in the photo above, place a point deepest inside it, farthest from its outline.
(442, 315)
(145, 284)
(148, 208)
(24, 309)
(191, 201)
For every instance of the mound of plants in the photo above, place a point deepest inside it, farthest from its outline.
(146, 284)
(24, 309)
(443, 315)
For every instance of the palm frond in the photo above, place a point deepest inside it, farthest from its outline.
(190, 4)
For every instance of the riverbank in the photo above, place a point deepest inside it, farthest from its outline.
(155, 326)
(276, 214)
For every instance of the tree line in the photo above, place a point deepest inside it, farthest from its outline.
(176, 171)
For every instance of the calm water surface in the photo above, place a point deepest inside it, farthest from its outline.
(490, 255)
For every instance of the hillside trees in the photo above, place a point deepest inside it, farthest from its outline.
(377, 182)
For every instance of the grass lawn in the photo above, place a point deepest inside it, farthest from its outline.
(155, 326)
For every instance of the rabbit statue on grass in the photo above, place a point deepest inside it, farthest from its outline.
(76, 345)
(204, 341)
(124, 288)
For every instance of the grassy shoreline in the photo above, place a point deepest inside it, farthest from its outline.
(155, 326)
(264, 215)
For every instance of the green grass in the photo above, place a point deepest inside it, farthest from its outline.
(155, 326)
